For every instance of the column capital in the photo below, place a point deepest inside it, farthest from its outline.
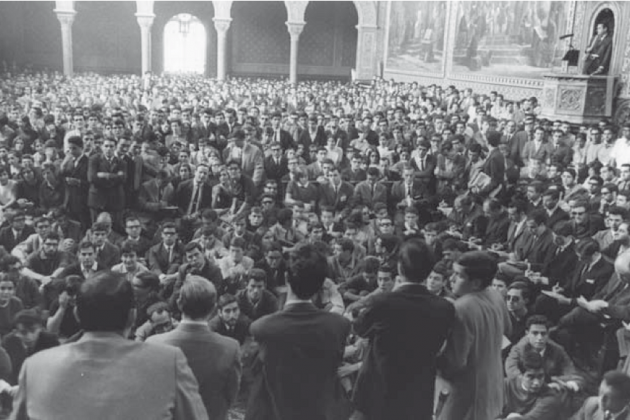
(66, 17)
(145, 20)
(222, 24)
(295, 28)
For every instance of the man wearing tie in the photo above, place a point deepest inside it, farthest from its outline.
(107, 175)
(279, 135)
(165, 258)
(74, 170)
(194, 194)
(598, 54)
(336, 194)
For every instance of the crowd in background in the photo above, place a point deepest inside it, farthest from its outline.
(160, 179)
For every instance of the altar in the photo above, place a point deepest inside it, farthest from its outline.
(578, 99)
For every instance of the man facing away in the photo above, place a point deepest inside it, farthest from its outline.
(397, 378)
(301, 348)
(105, 376)
(218, 376)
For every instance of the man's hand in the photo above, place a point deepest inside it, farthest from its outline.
(593, 306)
(64, 300)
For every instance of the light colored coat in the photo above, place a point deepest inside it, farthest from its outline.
(107, 377)
(472, 358)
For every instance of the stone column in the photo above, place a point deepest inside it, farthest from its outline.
(145, 22)
(66, 18)
(221, 25)
(295, 29)
(366, 52)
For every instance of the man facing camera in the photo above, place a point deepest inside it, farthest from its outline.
(104, 375)
(301, 348)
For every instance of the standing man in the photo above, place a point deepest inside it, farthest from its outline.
(397, 378)
(599, 52)
(472, 358)
(74, 169)
(107, 175)
(218, 376)
(86, 375)
(301, 348)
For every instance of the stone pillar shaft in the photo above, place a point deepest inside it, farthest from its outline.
(295, 29)
(145, 22)
(66, 18)
(221, 25)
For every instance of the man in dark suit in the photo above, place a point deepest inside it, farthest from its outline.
(555, 215)
(336, 194)
(279, 135)
(107, 175)
(206, 128)
(397, 378)
(74, 170)
(229, 321)
(371, 191)
(276, 165)
(218, 376)
(165, 258)
(424, 165)
(516, 140)
(86, 375)
(107, 254)
(313, 134)
(16, 232)
(194, 195)
(599, 52)
(297, 343)
(407, 192)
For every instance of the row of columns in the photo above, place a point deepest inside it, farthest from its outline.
(222, 25)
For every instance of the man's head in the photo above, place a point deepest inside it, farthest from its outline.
(536, 222)
(415, 260)
(437, 278)
(256, 284)
(518, 297)
(194, 255)
(532, 367)
(197, 298)
(307, 271)
(614, 392)
(169, 233)
(537, 328)
(473, 271)
(27, 325)
(105, 303)
(229, 311)
(129, 255)
(385, 277)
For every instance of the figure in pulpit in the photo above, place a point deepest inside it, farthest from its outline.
(598, 53)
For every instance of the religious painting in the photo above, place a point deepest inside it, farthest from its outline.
(416, 37)
(516, 39)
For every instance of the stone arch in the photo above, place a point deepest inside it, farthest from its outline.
(367, 12)
(620, 29)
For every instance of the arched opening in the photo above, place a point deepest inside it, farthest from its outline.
(328, 43)
(607, 17)
(185, 45)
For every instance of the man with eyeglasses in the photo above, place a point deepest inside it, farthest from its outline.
(133, 227)
(165, 257)
(583, 224)
(48, 262)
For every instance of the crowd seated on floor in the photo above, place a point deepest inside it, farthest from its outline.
(163, 178)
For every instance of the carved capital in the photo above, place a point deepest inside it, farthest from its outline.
(66, 17)
(222, 25)
(145, 21)
(295, 28)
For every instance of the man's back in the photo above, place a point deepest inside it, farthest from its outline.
(300, 351)
(218, 376)
(104, 376)
(406, 329)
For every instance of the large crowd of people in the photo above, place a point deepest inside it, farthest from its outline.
(326, 250)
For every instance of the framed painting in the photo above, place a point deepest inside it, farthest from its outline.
(416, 41)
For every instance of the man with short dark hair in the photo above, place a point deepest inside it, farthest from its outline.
(397, 377)
(197, 264)
(528, 396)
(255, 300)
(229, 320)
(85, 375)
(301, 348)
(218, 376)
(613, 401)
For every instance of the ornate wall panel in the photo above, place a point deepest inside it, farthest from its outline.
(259, 33)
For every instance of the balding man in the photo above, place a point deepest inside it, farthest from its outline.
(219, 375)
(103, 375)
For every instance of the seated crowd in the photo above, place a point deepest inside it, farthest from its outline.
(195, 178)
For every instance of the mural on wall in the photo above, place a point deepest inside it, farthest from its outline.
(416, 36)
(518, 39)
